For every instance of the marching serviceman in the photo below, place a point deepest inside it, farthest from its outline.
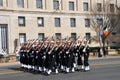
(86, 52)
(52, 56)
(22, 56)
(43, 53)
(69, 58)
(80, 54)
(40, 52)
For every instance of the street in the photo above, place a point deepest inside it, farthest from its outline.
(101, 69)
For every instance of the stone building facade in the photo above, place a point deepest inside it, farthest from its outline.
(21, 20)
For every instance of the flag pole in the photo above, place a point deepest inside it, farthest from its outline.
(100, 41)
(100, 23)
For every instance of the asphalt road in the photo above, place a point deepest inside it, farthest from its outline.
(101, 69)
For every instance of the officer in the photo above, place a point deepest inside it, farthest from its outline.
(72, 59)
(43, 53)
(73, 55)
(48, 59)
(40, 52)
(67, 59)
(58, 53)
(86, 52)
(31, 58)
(62, 57)
(79, 51)
(80, 54)
(22, 57)
(35, 59)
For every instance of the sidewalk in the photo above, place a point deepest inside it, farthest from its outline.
(10, 63)
(107, 57)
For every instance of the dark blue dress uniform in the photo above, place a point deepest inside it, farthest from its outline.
(31, 57)
(40, 58)
(43, 55)
(49, 57)
(80, 53)
(22, 57)
(86, 58)
(68, 58)
(60, 57)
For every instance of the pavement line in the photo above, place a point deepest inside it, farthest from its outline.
(13, 72)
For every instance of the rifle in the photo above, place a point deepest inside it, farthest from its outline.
(81, 42)
(58, 46)
(72, 43)
(45, 39)
(86, 44)
(30, 45)
(53, 46)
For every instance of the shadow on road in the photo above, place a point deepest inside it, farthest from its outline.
(38, 72)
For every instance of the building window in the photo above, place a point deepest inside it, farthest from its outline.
(112, 8)
(99, 7)
(87, 22)
(57, 22)
(99, 21)
(39, 4)
(56, 5)
(73, 36)
(40, 36)
(71, 6)
(1, 2)
(40, 21)
(21, 21)
(88, 36)
(58, 36)
(72, 22)
(22, 37)
(20, 3)
(85, 6)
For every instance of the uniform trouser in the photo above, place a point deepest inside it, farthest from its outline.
(68, 62)
(44, 63)
(51, 64)
(21, 60)
(73, 59)
(54, 64)
(31, 61)
(25, 60)
(58, 62)
(79, 60)
(86, 57)
(35, 61)
(40, 61)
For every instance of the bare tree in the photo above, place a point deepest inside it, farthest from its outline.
(104, 18)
